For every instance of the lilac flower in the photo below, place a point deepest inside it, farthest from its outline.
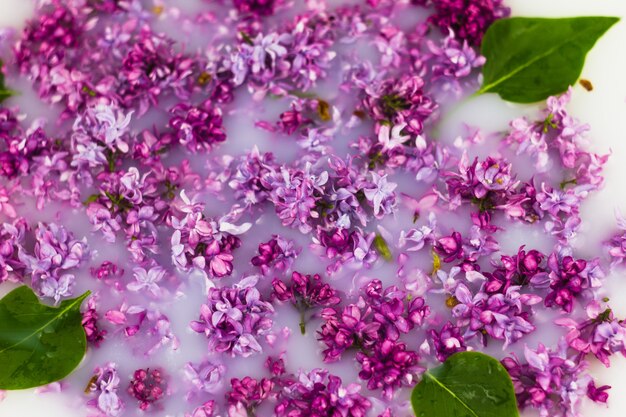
(89, 322)
(566, 281)
(198, 128)
(468, 19)
(548, 381)
(601, 334)
(205, 376)
(493, 174)
(447, 341)
(105, 383)
(400, 101)
(204, 410)
(56, 288)
(305, 292)
(450, 246)
(342, 330)
(389, 367)
(453, 61)
(380, 194)
(617, 243)
(247, 394)
(233, 319)
(419, 237)
(294, 194)
(278, 253)
(112, 126)
(255, 7)
(147, 387)
(5, 203)
(147, 280)
(320, 394)
(55, 251)
(598, 394)
(556, 201)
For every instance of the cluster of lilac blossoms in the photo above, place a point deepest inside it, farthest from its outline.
(342, 229)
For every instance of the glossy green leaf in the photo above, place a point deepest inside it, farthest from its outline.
(468, 384)
(4, 92)
(39, 344)
(530, 59)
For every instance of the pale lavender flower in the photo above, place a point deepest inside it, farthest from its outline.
(205, 376)
(380, 193)
(147, 280)
(57, 288)
(113, 126)
(392, 137)
(105, 383)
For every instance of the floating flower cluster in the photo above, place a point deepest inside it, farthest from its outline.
(340, 224)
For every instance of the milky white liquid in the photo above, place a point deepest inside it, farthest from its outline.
(600, 108)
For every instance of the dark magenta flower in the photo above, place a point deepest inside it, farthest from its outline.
(248, 393)
(147, 386)
(566, 281)
(447, 341)
(389, 367)
(199, 128)
(277, 253)
(468, 19)
(89, 321)
(598, 394)
(257, 8)
(305, 292)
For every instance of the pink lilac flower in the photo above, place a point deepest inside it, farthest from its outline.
(234, 319)
(247, 394)
(94, 334)
(598, 394)
(147, 386)
(601, 334)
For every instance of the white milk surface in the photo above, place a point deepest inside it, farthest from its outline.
(604, 109)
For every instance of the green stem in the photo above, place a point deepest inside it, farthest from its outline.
(302, 322)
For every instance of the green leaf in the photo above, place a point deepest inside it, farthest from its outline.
(380, 244)
(468, 384)
(4, 93)
(39, 344)
(530, 59)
